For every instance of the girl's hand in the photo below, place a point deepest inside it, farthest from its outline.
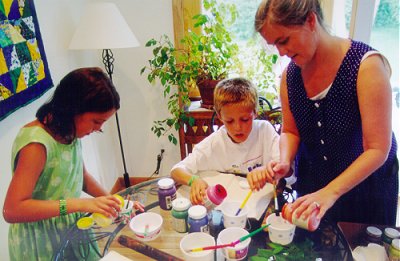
(198, 191)
(322, 199)
(106, 205)
(137, 206)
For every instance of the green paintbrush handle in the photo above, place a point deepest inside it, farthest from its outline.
(253, 233)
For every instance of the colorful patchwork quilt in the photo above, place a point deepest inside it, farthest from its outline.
(24, 73)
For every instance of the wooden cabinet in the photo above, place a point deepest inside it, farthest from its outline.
(206, 122)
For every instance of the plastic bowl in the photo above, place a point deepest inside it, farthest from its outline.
(280, 230)
(146, 226)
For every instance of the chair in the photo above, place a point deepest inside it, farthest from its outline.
(189, 135)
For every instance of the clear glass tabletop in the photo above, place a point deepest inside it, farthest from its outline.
(92, 244)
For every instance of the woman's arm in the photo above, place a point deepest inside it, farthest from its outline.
(289, 139)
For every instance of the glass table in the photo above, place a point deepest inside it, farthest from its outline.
(328, 241)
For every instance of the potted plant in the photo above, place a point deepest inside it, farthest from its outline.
(206, 58)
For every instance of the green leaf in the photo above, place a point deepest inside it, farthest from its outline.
(151, 42)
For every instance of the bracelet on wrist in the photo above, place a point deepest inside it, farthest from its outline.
(63, 207)
(192, 178)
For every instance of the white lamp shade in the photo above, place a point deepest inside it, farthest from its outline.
(103, 27)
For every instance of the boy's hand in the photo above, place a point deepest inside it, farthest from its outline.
(257, 178)
(198, 191)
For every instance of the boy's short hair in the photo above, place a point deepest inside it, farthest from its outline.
(235, 91)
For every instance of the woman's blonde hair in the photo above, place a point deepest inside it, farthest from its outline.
(235, 91)
(287, 12)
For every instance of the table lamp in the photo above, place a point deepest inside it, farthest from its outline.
(103, 27)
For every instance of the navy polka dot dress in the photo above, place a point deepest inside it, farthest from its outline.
(331, 139)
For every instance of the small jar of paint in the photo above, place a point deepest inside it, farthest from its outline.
(311, 223)
(198, 220)
(180, 214)
(214, 196)
(166, 193)
(387, 237)
(373, 235)
(394, 250)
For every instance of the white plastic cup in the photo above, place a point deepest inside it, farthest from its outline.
(232, 234)
(280, 231)
(196, 240)
(126, 212)
(229, 210)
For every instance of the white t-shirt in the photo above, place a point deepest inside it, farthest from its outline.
(218, 152)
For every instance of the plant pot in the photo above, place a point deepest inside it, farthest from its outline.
(206, 88)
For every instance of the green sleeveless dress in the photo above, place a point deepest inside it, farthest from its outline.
(61, 178)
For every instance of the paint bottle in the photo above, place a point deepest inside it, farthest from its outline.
(166, 193)
(180, 214)
(388, 235)
(311, 223)
(198, 220)
(214, 196)
(373, 235)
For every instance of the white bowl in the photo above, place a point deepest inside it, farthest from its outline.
(153, 221)
(280, 230)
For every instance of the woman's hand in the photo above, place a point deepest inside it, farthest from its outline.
(322, 199)
(198, 191)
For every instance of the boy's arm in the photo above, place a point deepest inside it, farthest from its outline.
(197, 185)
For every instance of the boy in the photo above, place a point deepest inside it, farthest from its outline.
(242, 144)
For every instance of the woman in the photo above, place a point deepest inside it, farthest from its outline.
(336, 105)
(43, 200)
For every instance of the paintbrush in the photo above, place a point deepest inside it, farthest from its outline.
(276, 200)
(243, 203)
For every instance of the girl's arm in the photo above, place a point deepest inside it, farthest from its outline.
(91, 186)
(20, 207)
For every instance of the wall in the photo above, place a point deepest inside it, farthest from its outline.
(141, 103)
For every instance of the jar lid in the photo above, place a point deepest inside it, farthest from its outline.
(396, 243)
(374, 231)
(85, 223)
(180, 204)
(391, 232)
(165, 183)
(197, 212)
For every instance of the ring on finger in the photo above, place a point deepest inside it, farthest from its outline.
(317, 204)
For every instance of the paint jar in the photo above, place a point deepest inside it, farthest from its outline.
(180, 214)
(198, 220)
(166, 193)
(311, 223)
(394, 250)
(388, 235)
(373, 235)
(214, 196)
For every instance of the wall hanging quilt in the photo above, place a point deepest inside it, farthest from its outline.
(24, 73)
